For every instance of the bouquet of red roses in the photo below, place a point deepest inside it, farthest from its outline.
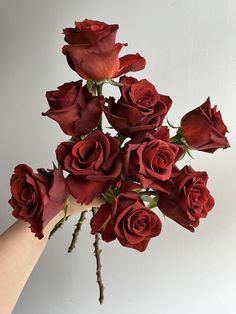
(135, 171)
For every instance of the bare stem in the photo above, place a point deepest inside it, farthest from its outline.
(97, 253)
(76, 232)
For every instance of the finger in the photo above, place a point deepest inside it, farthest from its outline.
(74, 207)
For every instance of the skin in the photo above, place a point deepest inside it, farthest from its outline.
(20, 250)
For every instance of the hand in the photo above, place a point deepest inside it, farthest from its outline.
(75, 208)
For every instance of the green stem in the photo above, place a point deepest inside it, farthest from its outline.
(60, 223)
(99, 89)
(99, 93)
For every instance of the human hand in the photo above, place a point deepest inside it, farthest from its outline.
(73, 209)
(76, 208)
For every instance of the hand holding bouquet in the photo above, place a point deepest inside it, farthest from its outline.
(131, 176)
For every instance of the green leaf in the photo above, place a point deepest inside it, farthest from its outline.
(153, 202)
(137, 190)
(146, 198)
(108, 198)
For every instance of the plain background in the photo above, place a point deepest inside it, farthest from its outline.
(190, 47)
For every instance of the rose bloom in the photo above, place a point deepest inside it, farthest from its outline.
(74, 108)
(37, 197)
(92, 164)
(188, 199)
(204, 129)
(150, 158)
(140, 108)
(128, 220)
(93, 33)
(93, 53)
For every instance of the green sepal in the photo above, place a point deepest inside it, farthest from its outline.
(83, 136)
(54, 165)
(114, 83)
(171, 125)
(121, 138)
(100, 82)
(90, 84)
(188, 152)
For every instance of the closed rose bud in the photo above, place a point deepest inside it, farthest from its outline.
(204, 129)
(91, 32)
(93, 53)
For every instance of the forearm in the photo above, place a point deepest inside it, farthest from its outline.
(19, 253)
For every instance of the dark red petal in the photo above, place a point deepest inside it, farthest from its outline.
(130, 63)
(84, 190)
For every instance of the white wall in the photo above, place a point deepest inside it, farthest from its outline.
(190, 47)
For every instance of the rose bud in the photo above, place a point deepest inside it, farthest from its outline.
(93, 53)
(37, 197)
(204, 129)
(92, 163)
(188, 199)
(89, 32)
(128, 220)
(150, 158)
(74, 108)
(140, 107)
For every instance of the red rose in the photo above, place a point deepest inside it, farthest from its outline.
(74, 108)
(149, 158)
(140, 107)
(92, 163)
(188, 199)
(93, 53)
(204, 129)
(89, 32)
(37, 197)
(128, 220)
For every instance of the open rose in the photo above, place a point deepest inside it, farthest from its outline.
(92, 163)
(188, 199)
(204, 129)
(128, 220)
(150, 158)
(74, 108)
(93, 53)
(37, 197)
(140, 107)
